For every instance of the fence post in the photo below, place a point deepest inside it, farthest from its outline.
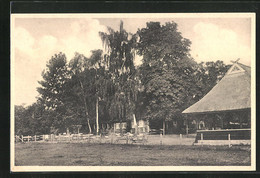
(35, 138)
(22, 138)
(112, 138)
(160, 138)
(201, 138)
(229, 141)
(180, 139)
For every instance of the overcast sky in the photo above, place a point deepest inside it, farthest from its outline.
(35, 40)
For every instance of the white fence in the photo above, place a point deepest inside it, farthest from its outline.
(52, 137)
(112, 138)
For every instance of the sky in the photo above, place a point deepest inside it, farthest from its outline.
(36, 39)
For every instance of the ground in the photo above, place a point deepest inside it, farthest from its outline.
(105, 154)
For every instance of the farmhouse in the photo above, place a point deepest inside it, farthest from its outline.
(225, 112)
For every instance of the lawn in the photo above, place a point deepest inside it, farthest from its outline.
(94, 154)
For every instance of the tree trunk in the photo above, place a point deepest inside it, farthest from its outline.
(135, 124)
(163, 127)
(97, 116)
(89, 127)
(114, 128)
(85, 106)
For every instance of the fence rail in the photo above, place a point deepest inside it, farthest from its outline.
(201, 138)
(112, 138)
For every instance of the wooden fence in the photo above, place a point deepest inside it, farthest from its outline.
(112, 138)
(220, 137)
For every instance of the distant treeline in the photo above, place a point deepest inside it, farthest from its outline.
(109, 87)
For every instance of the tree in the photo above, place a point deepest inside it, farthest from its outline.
(54, 79)
(120, 53)
(20, 124)
(119, 46)
(53, 89)
(211, 73)
(102, 85)
(32, 120)
(90, 84)
(162, 43)
(81, 84)
(167, 71)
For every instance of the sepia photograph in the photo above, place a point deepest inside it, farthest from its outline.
(133, 92)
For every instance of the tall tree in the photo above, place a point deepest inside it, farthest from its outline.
(33, 119)
(119, 57)
(90, 84)
(53, 87)
(81, 85)
(167, 70)
(211, 73)
(102, 84)
(20, 120)
(54, 79)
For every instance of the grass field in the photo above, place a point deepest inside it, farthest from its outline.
(87, 154)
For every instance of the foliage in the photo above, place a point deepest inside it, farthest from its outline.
(20, 120)
(33, 119)
(167, 70)
(107, 85)
(80, 86)
(53, 90)
(54, 79)
(90, 83)
(119, 59)
(210, 73)
(162, 43)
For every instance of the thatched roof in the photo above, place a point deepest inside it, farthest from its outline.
(232, 92)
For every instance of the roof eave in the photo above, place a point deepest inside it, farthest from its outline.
(214, 112)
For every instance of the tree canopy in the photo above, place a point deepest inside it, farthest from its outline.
(167, 71)
(107, 87)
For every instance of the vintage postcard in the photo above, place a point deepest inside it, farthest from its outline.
(133, 92)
